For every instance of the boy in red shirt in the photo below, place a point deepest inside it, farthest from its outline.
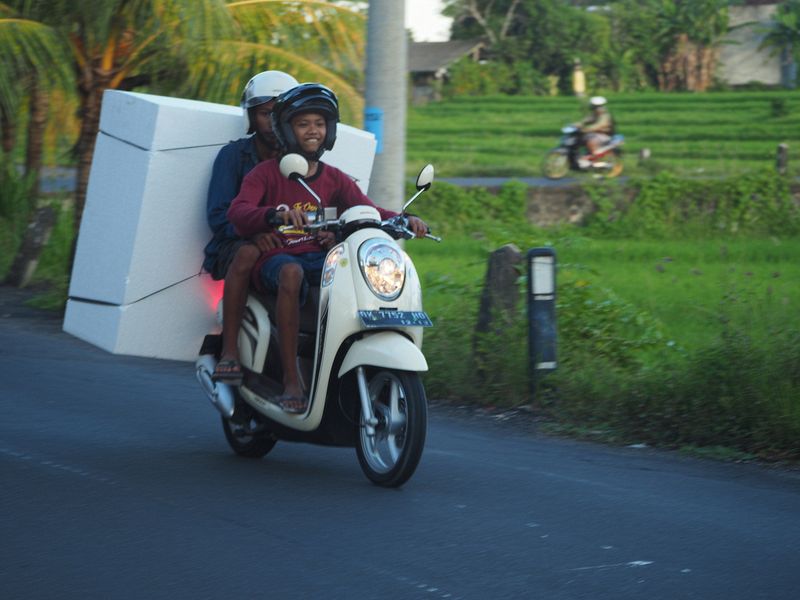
(304, 121)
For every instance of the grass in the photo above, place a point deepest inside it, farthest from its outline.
(673, 330)
(685, 285)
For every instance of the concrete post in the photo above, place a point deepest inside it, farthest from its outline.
(782, 159)
(385, 106)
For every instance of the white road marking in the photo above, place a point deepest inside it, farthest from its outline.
(635, 563)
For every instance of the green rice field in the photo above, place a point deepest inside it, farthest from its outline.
(689, 134)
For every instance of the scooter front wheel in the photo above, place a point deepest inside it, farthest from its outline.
(390, 456)
(555, 164)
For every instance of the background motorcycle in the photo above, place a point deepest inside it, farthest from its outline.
(571, 154)
(359, 350)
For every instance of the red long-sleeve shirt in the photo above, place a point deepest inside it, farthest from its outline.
(265, 189)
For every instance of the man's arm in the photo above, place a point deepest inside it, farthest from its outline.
(222, 189)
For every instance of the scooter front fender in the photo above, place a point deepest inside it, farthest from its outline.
(384, 349)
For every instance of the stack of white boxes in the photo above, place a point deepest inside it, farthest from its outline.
(136, 285)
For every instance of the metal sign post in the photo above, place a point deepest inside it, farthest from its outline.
(542, 333)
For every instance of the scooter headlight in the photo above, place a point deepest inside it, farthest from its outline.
(383, 267)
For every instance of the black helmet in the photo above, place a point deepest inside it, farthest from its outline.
(306, 97)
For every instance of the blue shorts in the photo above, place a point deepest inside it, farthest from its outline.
(312, 263)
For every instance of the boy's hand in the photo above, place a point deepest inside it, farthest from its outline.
(418, 226)
(267, 241)
(295, 217)
(326, 239)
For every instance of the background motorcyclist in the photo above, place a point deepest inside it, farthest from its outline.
(304, 121)
(229, 256)
(598, 127)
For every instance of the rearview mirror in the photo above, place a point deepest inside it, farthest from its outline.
(293, 166)
(425, 177)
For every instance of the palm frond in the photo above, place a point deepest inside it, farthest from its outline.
(29, 48)
(225, 66)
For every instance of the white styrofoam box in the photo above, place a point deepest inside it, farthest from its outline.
(353, 153)
(144, 226)
(162, 123)
(170, 324)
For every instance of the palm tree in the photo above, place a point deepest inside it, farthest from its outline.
(197, 48)
(31, 55)
(32, 64)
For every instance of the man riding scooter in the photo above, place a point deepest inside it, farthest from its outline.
(598, 127)
(228, 256)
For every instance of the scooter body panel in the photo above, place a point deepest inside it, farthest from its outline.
(337, 322)
(384, 349)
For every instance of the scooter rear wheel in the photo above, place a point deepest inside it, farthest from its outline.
(555, 164)
(246, 440)
(390, 457)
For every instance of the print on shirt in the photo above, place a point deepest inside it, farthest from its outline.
(292, 234)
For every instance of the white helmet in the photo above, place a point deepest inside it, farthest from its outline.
(597, 101)
(262, 88)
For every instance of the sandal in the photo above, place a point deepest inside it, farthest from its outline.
(228, 371)
(292, 404)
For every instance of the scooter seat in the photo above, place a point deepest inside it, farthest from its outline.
(308, 311)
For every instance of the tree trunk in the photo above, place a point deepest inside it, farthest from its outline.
(38, 105)
(38, 231)
(9, 131)
(36, 236)
(85, 148)
(91, 84)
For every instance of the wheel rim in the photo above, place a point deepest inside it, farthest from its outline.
(389, 403)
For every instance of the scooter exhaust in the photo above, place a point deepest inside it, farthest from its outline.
(220, 394)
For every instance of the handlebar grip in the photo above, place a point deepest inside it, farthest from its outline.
(274, 218)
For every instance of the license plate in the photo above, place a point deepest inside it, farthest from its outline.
(394, 318)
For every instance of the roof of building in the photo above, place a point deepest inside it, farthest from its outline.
(429, 57)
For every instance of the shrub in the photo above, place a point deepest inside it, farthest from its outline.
(666, 206)
(470, 78)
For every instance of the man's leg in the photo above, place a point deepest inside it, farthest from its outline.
(234, 298)
(591, 143)
(290, 281)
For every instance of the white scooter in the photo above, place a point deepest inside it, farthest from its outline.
(359, 350)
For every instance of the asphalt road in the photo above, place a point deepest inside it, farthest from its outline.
(62, 179)
(117, 483)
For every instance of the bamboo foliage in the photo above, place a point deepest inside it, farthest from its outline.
(783, 35)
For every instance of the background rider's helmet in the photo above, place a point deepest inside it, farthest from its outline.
(261, 89)
(305, 98)
(597, 101)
